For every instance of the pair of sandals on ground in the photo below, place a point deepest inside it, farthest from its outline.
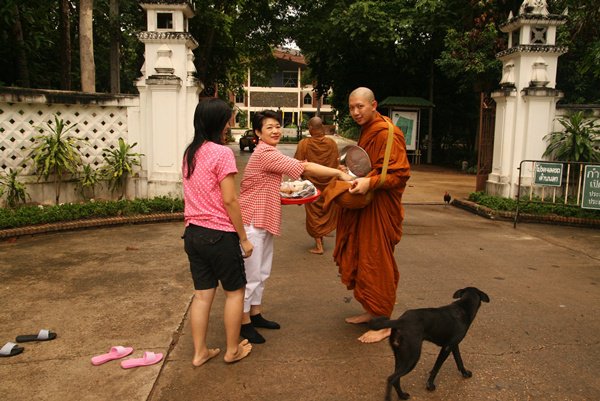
(12, 349)
(118, 352)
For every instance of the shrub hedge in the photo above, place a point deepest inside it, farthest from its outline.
(31, 215)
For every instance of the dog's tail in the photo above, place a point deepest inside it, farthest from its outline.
(381, 322)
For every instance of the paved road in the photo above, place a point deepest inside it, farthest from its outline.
(536, 340)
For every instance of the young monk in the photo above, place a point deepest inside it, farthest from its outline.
(260, 201)
(214, 231)
(324, 151)
(366, 238)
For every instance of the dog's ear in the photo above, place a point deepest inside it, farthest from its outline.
(483, 296)
(458, 293)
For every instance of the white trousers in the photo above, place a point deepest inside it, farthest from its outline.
(258, 266)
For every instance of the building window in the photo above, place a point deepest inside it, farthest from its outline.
(239, 97)
(325, 99)
(308, 99)
(538, 35)
(515, 38)
(164, 20)
(290, 79)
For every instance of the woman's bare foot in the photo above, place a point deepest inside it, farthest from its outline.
(374, 336)
(243, 350)
(201, 360)
(359, 319)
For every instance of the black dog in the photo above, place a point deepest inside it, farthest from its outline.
(445, 326)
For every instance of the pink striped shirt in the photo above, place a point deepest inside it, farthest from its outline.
(259, 193)
(202, 191)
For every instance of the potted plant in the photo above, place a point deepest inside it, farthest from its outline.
(119, 163)
(55, 153)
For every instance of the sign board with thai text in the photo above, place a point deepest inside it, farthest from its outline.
(591, 187)
(549, 174)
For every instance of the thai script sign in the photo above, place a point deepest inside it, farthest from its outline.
(591, 187)
(549, 174)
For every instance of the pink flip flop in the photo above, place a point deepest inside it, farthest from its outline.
(115, 352)
(149, 358)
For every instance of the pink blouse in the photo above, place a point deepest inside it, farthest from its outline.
(202, 192)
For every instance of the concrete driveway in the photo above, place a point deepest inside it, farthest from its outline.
(130, 285)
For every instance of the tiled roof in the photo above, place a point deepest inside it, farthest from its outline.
(289, 55)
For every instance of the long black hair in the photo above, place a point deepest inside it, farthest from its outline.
(210, 118)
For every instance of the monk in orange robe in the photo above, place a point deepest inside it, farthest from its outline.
(321, 150)
(366, 238)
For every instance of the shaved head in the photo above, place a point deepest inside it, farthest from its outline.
(315, 127)
(315, 122)
(362, 105)
(363, 93)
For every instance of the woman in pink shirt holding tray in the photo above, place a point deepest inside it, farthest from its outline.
(260, 202)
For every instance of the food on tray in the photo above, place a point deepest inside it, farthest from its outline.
(297, 189)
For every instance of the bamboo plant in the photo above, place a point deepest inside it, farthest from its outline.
(119, 164)
(55, 153)
(12, 189)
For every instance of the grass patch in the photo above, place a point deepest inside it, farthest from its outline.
(32, 215)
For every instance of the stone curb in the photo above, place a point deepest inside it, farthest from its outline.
(88, 223)
(524, 217)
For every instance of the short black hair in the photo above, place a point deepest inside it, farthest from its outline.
(259, 117)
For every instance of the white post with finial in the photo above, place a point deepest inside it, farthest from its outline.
(168, 94)
(526, 100)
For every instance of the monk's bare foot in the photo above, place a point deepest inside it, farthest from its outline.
(316, 251)
(201, 360)
(374, 336)
(359, 319)
(243, 350)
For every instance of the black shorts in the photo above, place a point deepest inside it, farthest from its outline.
(214, 256)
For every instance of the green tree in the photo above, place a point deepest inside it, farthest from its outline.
(27, 33)
(234, 35)
(55, 153)
(578, 72)
(578, 142)
(86, 46)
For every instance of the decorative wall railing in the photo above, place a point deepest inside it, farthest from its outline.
(100, 119)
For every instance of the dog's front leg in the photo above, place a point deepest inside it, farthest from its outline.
(459, 362)
(444, 352)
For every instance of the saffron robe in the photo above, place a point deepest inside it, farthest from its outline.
(366, 238)
(321, 150)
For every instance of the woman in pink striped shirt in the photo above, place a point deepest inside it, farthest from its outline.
(214, 230)
(260, 202)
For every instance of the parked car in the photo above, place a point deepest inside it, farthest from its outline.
(248, 140)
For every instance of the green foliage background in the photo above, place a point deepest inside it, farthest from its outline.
(443, 51)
